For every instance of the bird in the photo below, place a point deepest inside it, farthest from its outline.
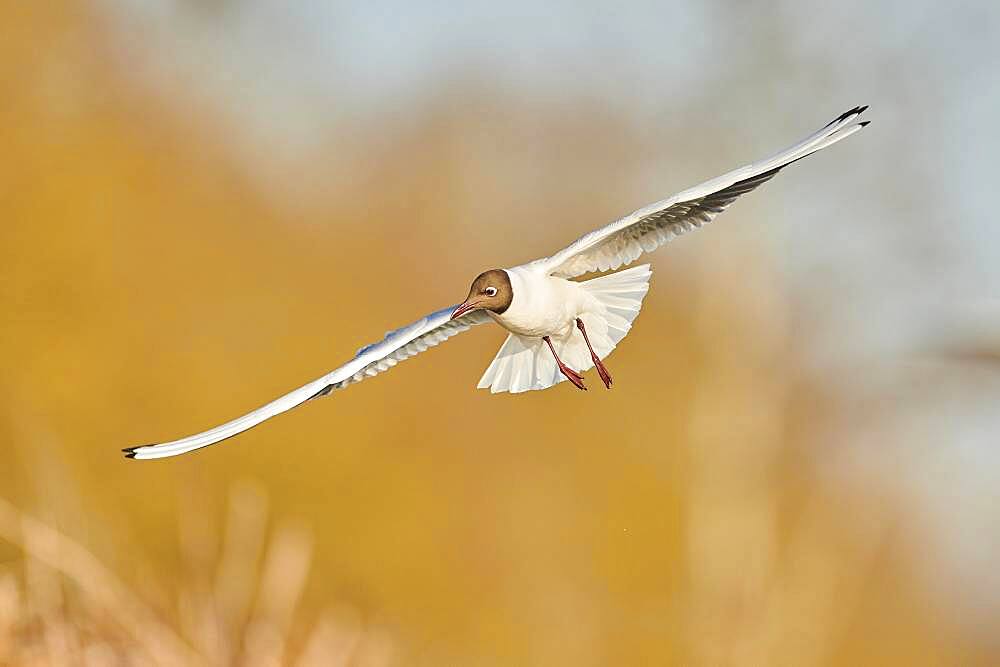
(558, 327)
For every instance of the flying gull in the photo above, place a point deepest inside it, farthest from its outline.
(558, 327)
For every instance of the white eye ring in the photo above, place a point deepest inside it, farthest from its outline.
(491, 291)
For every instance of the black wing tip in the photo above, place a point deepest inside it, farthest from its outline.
(864, 123)
(130, 452)
(856, 111)
(324, 391)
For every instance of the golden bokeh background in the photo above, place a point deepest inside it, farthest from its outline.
(160, 274)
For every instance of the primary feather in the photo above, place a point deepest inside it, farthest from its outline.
(645, 230)
(370, 360)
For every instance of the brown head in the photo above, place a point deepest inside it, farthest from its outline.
(490, 291)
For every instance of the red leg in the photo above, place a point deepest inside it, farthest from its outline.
(570, 374)
(601, 368)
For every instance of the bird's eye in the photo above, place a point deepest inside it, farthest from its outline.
(491, 291)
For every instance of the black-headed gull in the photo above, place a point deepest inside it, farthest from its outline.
(558, 327)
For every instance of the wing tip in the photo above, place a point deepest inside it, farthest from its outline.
(326, 390)
(856, 111)
(130, 451)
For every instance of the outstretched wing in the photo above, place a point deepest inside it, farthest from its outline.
(369, 361)
(623, 241)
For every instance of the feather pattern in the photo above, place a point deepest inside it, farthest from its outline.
(525, 363)
(624, 240)
(369, 361)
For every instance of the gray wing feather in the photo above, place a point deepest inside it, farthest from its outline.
(624, 240)
(369, 361)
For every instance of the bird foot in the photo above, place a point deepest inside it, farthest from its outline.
(602, 370)
(572, 376)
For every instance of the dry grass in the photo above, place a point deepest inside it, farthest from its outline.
(60, 605)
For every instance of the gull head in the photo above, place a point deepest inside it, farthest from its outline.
(490, 291)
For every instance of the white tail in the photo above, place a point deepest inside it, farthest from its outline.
(524, 364)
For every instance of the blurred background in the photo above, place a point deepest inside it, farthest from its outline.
(206, 204)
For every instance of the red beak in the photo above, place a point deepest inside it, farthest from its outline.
(464, 308)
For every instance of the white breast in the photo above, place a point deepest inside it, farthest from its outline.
(542, 305)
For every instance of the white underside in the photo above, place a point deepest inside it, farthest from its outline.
(525, 363)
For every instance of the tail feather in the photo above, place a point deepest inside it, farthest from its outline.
(525, 364)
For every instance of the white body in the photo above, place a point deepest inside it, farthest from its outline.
(544, 305)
